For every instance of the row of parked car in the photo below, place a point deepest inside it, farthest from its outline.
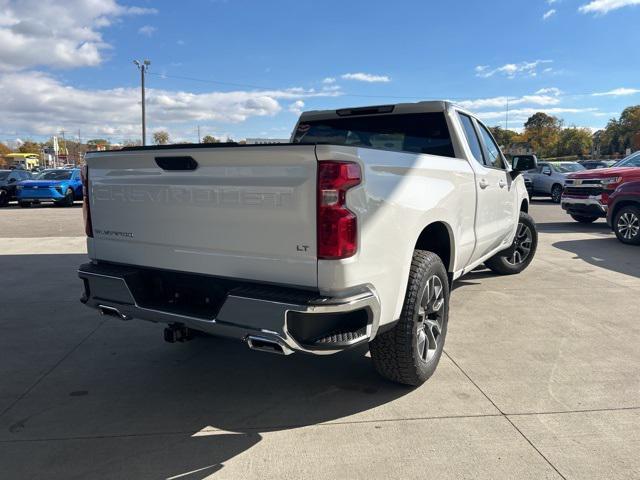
(590, 192)
(62, 186)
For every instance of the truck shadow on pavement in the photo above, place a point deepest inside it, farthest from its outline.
(607, 253)
(115, 401)
(599, 227)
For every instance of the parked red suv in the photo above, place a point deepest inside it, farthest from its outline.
(624, 212)
(586, 193)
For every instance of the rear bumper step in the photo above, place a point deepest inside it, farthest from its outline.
(275, 319)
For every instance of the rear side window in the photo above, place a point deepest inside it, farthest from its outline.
(472, 137)
(413, 132)
(494, 159)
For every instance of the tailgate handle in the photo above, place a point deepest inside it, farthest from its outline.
(176, 163)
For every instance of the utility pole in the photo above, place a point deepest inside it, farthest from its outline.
(506, 119)
(199, 134)
(143, 67)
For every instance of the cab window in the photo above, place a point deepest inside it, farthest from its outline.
(493, 157)
(472, 137)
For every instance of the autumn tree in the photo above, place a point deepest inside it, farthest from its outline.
(542, 131)
(210, 139)
(30, 146)
(161, 137)
(503, 136)
(4, 149)
(575, 141)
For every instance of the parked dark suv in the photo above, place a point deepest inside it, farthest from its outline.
(623, 214)
(8, 181)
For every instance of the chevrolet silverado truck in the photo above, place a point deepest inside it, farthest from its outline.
(351, 234)
(586, 193)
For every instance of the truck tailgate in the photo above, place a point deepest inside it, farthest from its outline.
(244, 212)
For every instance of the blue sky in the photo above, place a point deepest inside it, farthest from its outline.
(249, 67)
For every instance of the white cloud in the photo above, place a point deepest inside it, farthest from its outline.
(512, 70)
(617, 92)
(521, 114)
(329, 80)
(551, 2)
(501, 102)
(602, 7)
(296, 107)
(549, 13)
(147, 30)
(550, 91)
(57, 34)
(366, 77)
(40, 104)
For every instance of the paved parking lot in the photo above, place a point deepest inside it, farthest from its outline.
(541, 379)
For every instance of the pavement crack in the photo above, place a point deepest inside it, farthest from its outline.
(505, 416)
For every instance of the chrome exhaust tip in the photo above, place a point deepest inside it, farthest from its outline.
(267, 345)
(113, 312)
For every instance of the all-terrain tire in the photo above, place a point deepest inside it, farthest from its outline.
(395, 352)
(503, 263)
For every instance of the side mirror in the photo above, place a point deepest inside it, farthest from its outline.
(546, 171)
(524, 163)
(12, 180)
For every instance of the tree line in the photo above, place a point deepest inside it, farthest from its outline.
(548, 136)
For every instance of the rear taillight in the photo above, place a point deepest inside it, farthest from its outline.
(337, 225)
(86, 208)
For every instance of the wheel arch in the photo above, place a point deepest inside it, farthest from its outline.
(437, 237)
(524, 206)
(623, 203)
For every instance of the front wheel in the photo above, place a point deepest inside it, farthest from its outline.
(584, 219)
(67, 201)
(521, 252)
(24, 204)
(409, 353)
(556, 193)
(627, 225)
(4, 198)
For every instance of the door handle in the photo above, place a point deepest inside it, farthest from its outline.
(483, 183)
(502, 184)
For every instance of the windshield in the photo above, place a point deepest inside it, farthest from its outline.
(55, 175)
(3, 175)
(415, 132)
(567, 167)
(631, 161)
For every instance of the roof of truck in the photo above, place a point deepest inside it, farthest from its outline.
(395, 108)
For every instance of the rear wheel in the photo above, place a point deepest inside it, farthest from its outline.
(409, 353)
(24, 204)
(627, 225)
(4, 198)
(521, 252)
(583, 219)
(556, 193)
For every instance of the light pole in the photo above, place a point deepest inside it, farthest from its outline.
(143, 67)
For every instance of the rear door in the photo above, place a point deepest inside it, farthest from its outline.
(496, 209)
(241, 212)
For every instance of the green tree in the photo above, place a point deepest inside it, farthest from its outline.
(542, 131)
(503, 137)
(161, 137)
(30, 146)
(210, 139)
(575, 141)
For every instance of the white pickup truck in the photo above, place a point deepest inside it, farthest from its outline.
(350, 234)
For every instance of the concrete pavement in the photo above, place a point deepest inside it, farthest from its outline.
(541, 379)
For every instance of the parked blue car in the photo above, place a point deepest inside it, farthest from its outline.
(59, 185)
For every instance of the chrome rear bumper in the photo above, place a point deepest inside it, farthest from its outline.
(297, 320)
